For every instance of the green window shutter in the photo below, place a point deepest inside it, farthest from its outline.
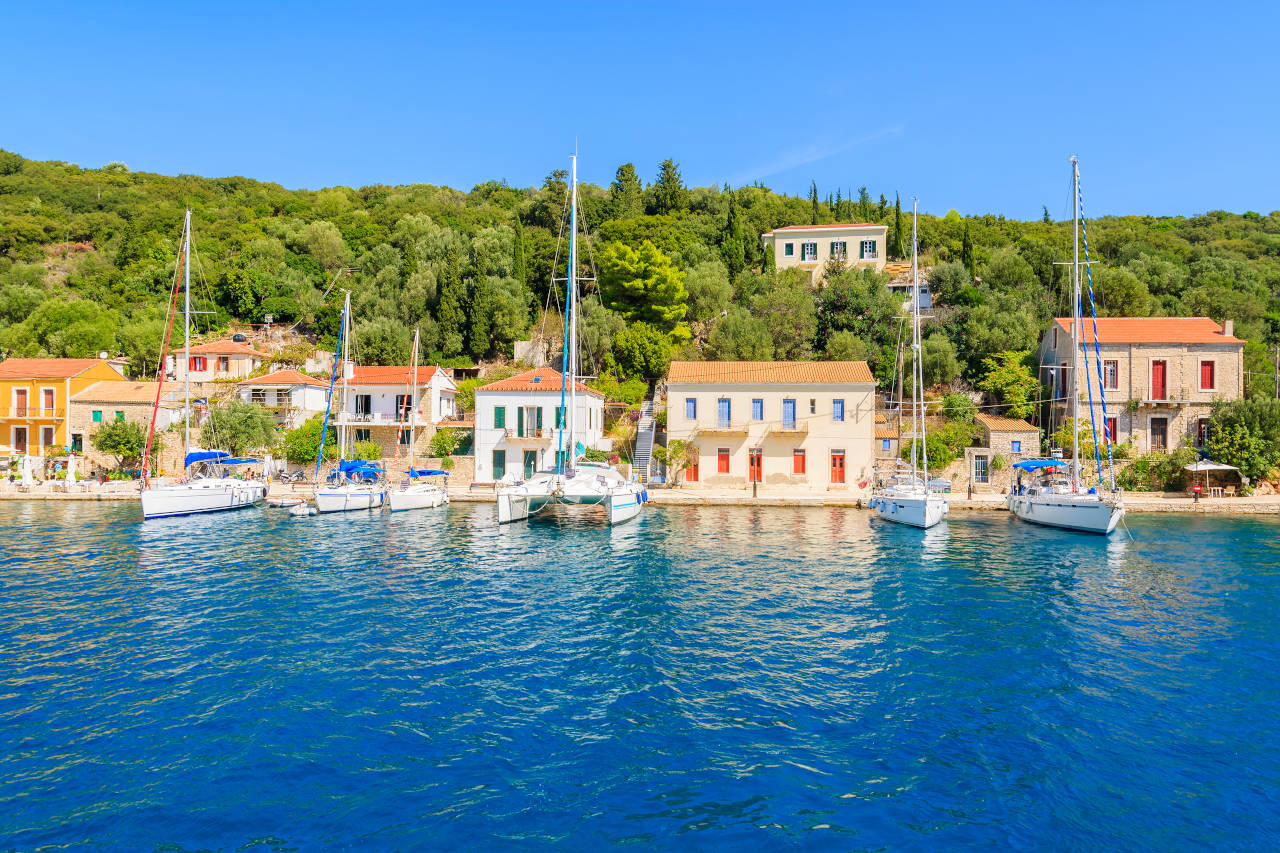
(862, 250)
(499, 417)
(520, 421)
(97, 416)
(539, 419)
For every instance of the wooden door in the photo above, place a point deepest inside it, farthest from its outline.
(20, 439)
(20, 403)
(837, 466)
(1159, 386)
(755, 465)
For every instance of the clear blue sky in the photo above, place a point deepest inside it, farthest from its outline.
(1171, 108)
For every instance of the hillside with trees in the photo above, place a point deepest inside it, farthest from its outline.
(87, 257)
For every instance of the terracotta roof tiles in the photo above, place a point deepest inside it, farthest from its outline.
(834, 226)
(769, 372)
(389, 374)
(222, 347)
(542, 379)
(45, 368)
(1151, 330)
(283, 379)
(122, 392)
(999, 423)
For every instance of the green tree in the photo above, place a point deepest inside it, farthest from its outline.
(947, 281)
(301, 446)
(125, 440)
(813, 204)
(864, 205)
(450, 315)
(368, 451)
(239, 428)
(1009, 379)
(734, 246)
(1246, 434)
(677, 455)
(789, 313)
(966, 251)
(882, 208)
(858, 301)
(959, 407)
(938, 359)
(643, 286)
(668, 192)
(518, 269)
(323, 241)
(1007, 270)
(709, 289)
(739, 336)
(382, 340)
(479, 308)
(642, 351)
(846, 346)
(626, 199)
(897, 240)
(1047, 219)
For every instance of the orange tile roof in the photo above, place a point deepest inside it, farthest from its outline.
(46, 368)
(839, 226)
(999, 423)
(886, 433)
(123, 392)
(223, 347)
(1152, 330)
(770, 372)
(542, 379)
(283, 378)
(394, 374)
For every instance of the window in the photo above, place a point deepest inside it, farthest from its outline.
(788, 250)
(46, 436)
(404, 437)
(46, 401)
(797, 462)
(97, 416)
(757, 409)
(837, 410)
(837, 466)
(838, 249)
(813, 406)
(1055, 337)
(1159, 388)
(258, 395)
(119, 416)
(1112, 430)
(884, 445)
(690, 409)
(197, 364)
(867, 250)
(499, 463)
(20, 439)
(559, 417)
(77, 442)
(1159, 433)
(20, 402)
(1206, 377)
(808, 251)
(224, 363)
(980, 470)
(362, 435)
(1015, 446)
(499, 417)
(1202, 432)
(364, 404)
(1111, 374)
(788, 414)
(404, 406)
(530, 463)
(722, 460)
(722, 412)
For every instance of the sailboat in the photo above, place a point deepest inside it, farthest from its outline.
(206, 486)
(1056, 496)
(355, 483)
(573, 480)
(904, 496)
(415, 494)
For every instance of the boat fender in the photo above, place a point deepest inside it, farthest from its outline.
(872, 504)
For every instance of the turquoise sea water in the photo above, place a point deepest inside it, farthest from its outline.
(704, 678)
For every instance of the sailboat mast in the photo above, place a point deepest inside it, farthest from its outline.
(413, 400)
(186, 331)
(1075, 326)
(572, 301)
(918, 371)
(346, 360)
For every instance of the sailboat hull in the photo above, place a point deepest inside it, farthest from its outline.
(215, 494)
(1086, 513)
(416, 497)
(620, 503)
(348, 498)
(922, 511)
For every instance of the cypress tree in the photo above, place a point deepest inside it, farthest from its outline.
(518, 271)
(896, 246)
(883, 209)
(1047, 220)
(864, 204)
(449, 314)
(966, 251)
(625, 201)
(480, 311)
(813, 200)
(839, 206)
(734, 254)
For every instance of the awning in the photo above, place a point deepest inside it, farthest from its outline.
(427, 472)
(203, 456)
(1206, 465)
(1037, 464)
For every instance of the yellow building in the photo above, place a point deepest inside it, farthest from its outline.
(34, 398)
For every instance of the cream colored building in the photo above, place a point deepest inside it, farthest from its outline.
(225, 359)
(801, 424)
(1160, 375)
(809, 247)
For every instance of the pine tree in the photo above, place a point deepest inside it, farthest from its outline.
(669, 193)
(518, 271)
(966, 251)
(864, 205)
(883, 209)
(626, 194)
(895, 248)
(813, 200)
(734, 253)
(1047, 219)
(839, 206)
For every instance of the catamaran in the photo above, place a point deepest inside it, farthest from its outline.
(416, 493)
(355, 483)
(573, 480)
(206, 487)
(904, 496)
(1056, 495)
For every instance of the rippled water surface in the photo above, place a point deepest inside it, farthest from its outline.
(702, 678)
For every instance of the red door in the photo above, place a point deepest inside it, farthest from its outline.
(1158, 388)
(837, 466)
(755, 465)
(691, 475)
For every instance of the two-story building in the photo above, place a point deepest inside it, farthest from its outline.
(1160, 375)
(381, 401)
(804, 424)
(225, 359)
(105, 402)
(35, 396)
(809, 247)
(518, 422)
(1012, 439)
(291, 396)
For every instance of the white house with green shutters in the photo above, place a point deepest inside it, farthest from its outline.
(518, 424)
(809, 247)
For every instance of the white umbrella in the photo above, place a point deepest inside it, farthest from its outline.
(1206, 465)
(27, 479)
(71, 472)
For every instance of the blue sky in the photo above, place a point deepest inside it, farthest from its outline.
(1171, 108)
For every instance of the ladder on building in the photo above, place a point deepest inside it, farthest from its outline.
(643, 454)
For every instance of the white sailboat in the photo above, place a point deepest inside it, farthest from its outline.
(904, 496)
(417, 493)
(206, 488)
(354, 484)
(573, 480)
(1056, 496)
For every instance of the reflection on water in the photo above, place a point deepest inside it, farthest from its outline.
(704, 676)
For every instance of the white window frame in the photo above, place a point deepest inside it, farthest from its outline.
(868, 251)
(833, 410)
(1200, 371)
(789, 249)
(840, 249)
(44, 388)
(806, 254)
(1116, 385)
(754, 401)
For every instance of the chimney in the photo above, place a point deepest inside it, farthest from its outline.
(348, 369)
(1229, 328)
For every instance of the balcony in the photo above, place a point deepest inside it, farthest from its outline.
(722, 428)
(1183, 398)
(32, 413)
(381, 419)
(531, 436)
(798, 428)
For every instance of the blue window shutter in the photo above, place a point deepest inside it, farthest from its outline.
(690, 409)
(757, 410)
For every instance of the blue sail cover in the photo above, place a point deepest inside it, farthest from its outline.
(427, 472)
(1037, 464)
(346, 466)
(240, 460)
(204, 456)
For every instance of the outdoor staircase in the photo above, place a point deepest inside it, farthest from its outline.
(643, 454)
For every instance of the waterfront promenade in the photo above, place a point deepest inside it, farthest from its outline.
(993, 502)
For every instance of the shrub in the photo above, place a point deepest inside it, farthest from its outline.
(958, 407)
(370, 451)
(445, 442)
(1157, 471)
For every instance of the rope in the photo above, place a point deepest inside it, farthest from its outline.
(328, 403)
(164, 352)
(1097, 359)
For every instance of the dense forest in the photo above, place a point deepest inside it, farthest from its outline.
(87, 258)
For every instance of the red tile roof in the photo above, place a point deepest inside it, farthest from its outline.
(223, 347)
(283, 378)
(1151, 330)
(770, 372)
(110, 391)
(395, 374)
(840, 226)
(999, 423)
(882, 432)
(542, 379)
(46, 368)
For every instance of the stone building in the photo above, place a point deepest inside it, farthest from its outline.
(104, 402)
(1010, 439)
(1160, 374)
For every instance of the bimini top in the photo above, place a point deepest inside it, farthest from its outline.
(347, 466)
(204, 456)
(1037, 464)
(240, 460)
(427, 472)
